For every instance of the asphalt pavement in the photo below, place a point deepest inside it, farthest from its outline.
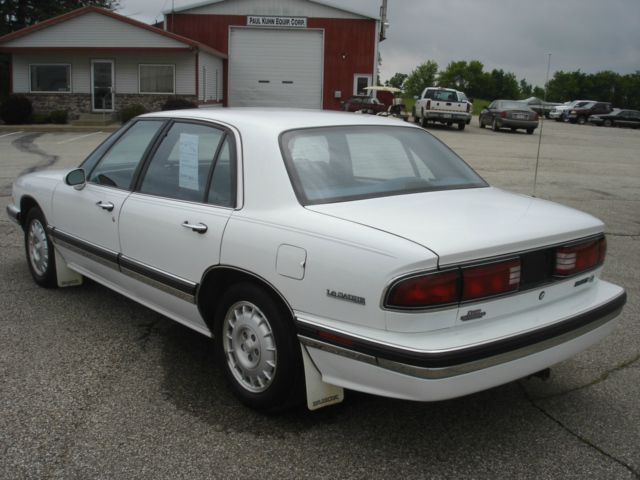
(93, 385)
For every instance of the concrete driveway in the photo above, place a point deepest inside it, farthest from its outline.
(93, 385)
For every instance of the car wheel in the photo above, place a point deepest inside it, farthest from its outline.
(413, 114)
(257, 346)
(39, 249)
(530, 131)
(461, 125)
(607, 122)
(581, 120)
(495, 125)
(513, 129)
(423, 120)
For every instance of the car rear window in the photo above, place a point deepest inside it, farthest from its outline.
(336, 164)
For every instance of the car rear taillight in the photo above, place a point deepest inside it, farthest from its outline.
(426, 290)
(503, 114)
(468, 107)
(535, 116)
(455, 286)
(578, 258)
(428, 104)
(490, 280)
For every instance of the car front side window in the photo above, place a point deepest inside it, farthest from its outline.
(118, 166)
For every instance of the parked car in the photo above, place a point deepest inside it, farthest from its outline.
(559, 112)
(511, 114)
(541, 107)
(442, 105)
(617, 118)
(364, 103)
(323, 251)
(580, 114)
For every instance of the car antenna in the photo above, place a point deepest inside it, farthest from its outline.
(544, 100)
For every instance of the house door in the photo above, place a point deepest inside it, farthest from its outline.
(102, 85)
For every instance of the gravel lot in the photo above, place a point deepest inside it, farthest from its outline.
(93, 385)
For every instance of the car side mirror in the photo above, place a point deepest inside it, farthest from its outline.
(76, 179)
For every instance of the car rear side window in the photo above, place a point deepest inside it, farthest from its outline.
(118, 166)
(182, 165)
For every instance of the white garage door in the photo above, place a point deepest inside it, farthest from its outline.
(275, 68)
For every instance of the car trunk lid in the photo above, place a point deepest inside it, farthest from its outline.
(466, 225)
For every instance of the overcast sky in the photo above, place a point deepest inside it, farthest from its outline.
(515, 35)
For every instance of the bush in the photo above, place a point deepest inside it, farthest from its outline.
(59, 116)
(127, 113)
(40, 118)
(16, 109)
(178, 103)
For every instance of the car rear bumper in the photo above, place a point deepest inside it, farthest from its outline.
(394, 371)
(512, 123)
(14, 214)
(453, 117)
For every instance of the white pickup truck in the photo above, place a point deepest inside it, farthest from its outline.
(442, 105)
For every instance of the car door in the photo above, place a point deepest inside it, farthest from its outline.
(171, 226)
(85, 220)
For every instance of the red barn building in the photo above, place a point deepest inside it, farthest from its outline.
(295, 53)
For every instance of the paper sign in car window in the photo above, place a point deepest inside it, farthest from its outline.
(188, 152)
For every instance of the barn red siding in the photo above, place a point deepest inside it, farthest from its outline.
(353, 38)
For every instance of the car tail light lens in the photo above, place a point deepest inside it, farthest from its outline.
(503, 114)
(428, 104)
(490, 280)
(454, 286)
(468, 107)
(426, 290)
(578, 258)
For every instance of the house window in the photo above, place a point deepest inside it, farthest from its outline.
(157, 78)
(360, 82)
(50, 78)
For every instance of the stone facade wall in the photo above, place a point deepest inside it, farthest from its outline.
(77, 103)
(73, 103)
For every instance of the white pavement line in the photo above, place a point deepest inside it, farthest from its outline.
(78, 138)
(12, 133)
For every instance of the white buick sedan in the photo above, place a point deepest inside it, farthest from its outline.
(323, 251)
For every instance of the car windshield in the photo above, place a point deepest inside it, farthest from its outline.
(336, 164)
(518, 105)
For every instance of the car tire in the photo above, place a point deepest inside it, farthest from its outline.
(423, 120)
(607, 123)
(530, 131)
(41, 256)
(581, 120)
(257, 347)
(481, 123)
(461, 125)
(513, 129)
(494, 125)
(413, 114)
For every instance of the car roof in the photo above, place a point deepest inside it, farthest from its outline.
(277, 120)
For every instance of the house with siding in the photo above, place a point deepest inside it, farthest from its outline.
(94, 60)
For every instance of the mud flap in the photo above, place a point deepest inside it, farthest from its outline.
(64, 275)
(319, 393)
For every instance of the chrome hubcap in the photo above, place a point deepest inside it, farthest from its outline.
(249, 346)
(38, 248)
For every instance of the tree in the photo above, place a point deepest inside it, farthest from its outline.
(397, 80)
(17, 14)
(468, 77)
(526, 90)
(422, 77)
(502, 84)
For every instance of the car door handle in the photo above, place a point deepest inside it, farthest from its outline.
(200, 227)
(108, 206)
